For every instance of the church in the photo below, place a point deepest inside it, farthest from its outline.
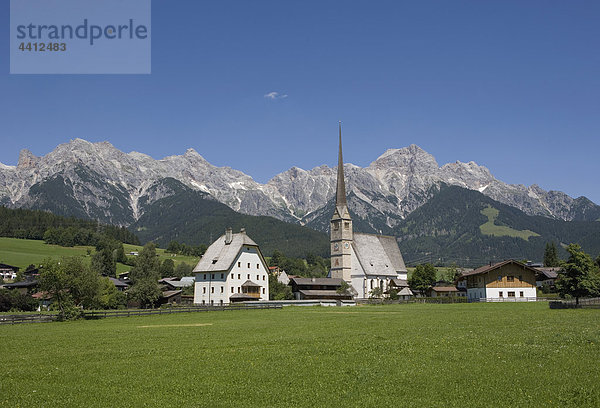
(364, 261)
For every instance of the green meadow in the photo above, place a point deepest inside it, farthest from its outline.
(23, 252)
(415, 355)
(490, 227)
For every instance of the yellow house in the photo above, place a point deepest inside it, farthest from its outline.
(504, 281)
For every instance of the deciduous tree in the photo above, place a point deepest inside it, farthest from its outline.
(422, 278)
(579, 276)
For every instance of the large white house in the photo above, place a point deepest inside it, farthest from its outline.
(508, 280)
(231, 270)
(365, 261)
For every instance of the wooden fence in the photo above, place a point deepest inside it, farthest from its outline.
(584, 303)
(101, 314)
(28, 318)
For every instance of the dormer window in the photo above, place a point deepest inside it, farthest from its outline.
(214, 261)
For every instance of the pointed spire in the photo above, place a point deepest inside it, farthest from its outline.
(340, 196)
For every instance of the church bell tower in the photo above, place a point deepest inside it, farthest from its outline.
(341, 226)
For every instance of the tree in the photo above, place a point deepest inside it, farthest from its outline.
(167, 268)
(422, 278)
(183, 269)
(551, 255)
(144, 277)
(83, 283)
(278, 290)
(344, 288)
(110, 296)
(103, 262)
(376, 293)
(579, 276)
(452, 273)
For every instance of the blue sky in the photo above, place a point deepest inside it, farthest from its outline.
(512, 85)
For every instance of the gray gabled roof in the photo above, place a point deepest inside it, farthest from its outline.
(317, 281)
(378, 254)
(220, 256)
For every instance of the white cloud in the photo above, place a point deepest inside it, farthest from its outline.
(275, 95)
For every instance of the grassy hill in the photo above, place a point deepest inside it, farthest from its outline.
(23, 252)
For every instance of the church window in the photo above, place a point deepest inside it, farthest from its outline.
(257, 266)
(263, 277)
(248, 276)
(371, 283)
(221, 289)
(248, 265)
(239, 264)
(257, 277)
(336, 226)
(239, 276)
(346, 225)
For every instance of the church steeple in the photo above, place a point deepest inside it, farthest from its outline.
(340, 195)
(341, 226)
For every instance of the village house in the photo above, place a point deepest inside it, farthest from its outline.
(364, 261)
(231, 270)
(507, 280)
(401, 287)
(443, 289)
(318, 288)
(547, 276)
(8, 272)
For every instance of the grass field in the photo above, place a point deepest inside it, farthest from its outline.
(23, 252)
(490, 228)
(416, 355)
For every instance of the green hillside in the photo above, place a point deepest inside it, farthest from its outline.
(491, 228)
(23, 252)
(471, 229)
(194, 218)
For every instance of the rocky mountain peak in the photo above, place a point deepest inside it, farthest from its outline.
(27, 160)
(410, 159)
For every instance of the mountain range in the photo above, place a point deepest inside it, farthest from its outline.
(98, 181)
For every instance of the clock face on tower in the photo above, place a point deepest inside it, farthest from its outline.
(346, 245)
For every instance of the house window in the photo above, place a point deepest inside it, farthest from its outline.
(263, 277)
(248, 276)
(371, 283)
(204, 289)
(221, 289)
(212, 275)
(248, 265)
(212, 290)
(499, 278)
(257, 277)
(500, 294)
(257, 266)
(521, 278)
(232, 289)
(521, 294)
(239, 264)
(221, 276)
(263, 291)
(212, 302)
(203, 302)
(511, 294)
(221, 302)
(239, 290)
(204, 276)
(510, 278)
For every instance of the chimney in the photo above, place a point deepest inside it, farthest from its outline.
(228, 236)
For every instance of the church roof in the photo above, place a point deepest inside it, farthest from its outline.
(378, 254)
(340, 193)
(220, 256)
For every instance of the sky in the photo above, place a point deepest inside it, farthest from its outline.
(260, 86)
